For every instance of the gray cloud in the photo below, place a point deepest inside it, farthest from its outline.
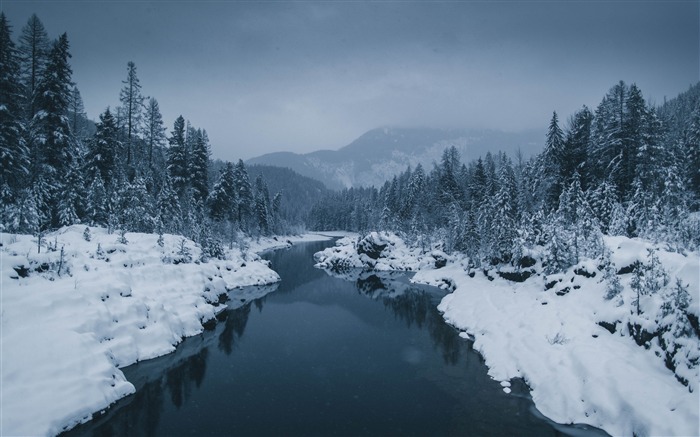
(299, 76)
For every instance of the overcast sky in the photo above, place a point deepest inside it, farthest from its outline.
(301, 76)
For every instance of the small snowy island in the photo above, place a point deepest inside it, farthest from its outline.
(587, 354)
(84, 303)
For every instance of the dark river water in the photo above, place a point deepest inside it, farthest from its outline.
(320, 355)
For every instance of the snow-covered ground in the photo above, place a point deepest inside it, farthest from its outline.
(69, 322)
(577, 370)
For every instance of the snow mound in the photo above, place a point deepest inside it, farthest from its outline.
(76, 311)
(377, 251)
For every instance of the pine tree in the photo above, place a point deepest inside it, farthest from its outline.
(169, 210)
(14, 155)
(198, 166)
(132, 107)
(262, 209)
(691, 155)
(477, 187)
(605, 154)
(137, 214)
(77, 114)
(502, 215)
(575, 150)
(244, 195)
(178, 158)
(550, 167)
(155, 132)
(276, 206)
(34, 50)
(97, 203)
(25, 216)
(222, 199)
(55, 137)
(103, 151)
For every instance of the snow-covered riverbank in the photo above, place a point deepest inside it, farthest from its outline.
(578, 371)
(75, 313)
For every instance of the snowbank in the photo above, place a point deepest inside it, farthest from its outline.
(72, 315)
(263, 244)
(546, 330)
(376, 251)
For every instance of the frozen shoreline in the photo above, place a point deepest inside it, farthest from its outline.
(112, 305)
(578, 371)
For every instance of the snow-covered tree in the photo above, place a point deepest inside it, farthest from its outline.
(198, 165)
(178, 158)
(132, 107)
(222, 199)
(14, 154)
(34, 47)
(155, 131)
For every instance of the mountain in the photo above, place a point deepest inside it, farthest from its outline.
(382, 153)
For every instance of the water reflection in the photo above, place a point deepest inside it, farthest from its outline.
(415, 305)
(175, 377)
(234, 326)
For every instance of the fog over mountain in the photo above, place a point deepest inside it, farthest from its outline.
(382, 153)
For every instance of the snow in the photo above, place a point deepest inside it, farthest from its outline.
(263, 244)
(396, 255)
(64, 337)
(577, 370)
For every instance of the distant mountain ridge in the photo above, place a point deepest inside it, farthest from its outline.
(379, 154)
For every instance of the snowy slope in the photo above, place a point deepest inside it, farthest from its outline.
(578, 371)
(64, 337)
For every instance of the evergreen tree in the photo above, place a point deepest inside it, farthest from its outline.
(198, 165)
(262, 209)
(155, 132)
(178, 158)
(34, 48)
(103, 151)
(132, 107)
(137, 214)
(14, 155)
(169, 210)
(222, 199)
(575, 151)
(244, 195)
(60, 153)
(477, 187)
(502, 214)
(690, 154)
(551, 164)
(97, 205)
(77, 115)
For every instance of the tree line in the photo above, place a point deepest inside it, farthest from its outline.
(123, 172)
(627, 168)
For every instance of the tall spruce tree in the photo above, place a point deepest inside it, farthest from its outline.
(178, 159)
(222, 199)
(55, 139)
(244, 195)
(104, 151)
(34, 47)
(155, 132)
(132, 108)
(199, 165)
(14, 155)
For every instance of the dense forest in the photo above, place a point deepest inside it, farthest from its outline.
(627, 168)
(123, 172)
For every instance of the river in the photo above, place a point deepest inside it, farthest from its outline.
(320, 355)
